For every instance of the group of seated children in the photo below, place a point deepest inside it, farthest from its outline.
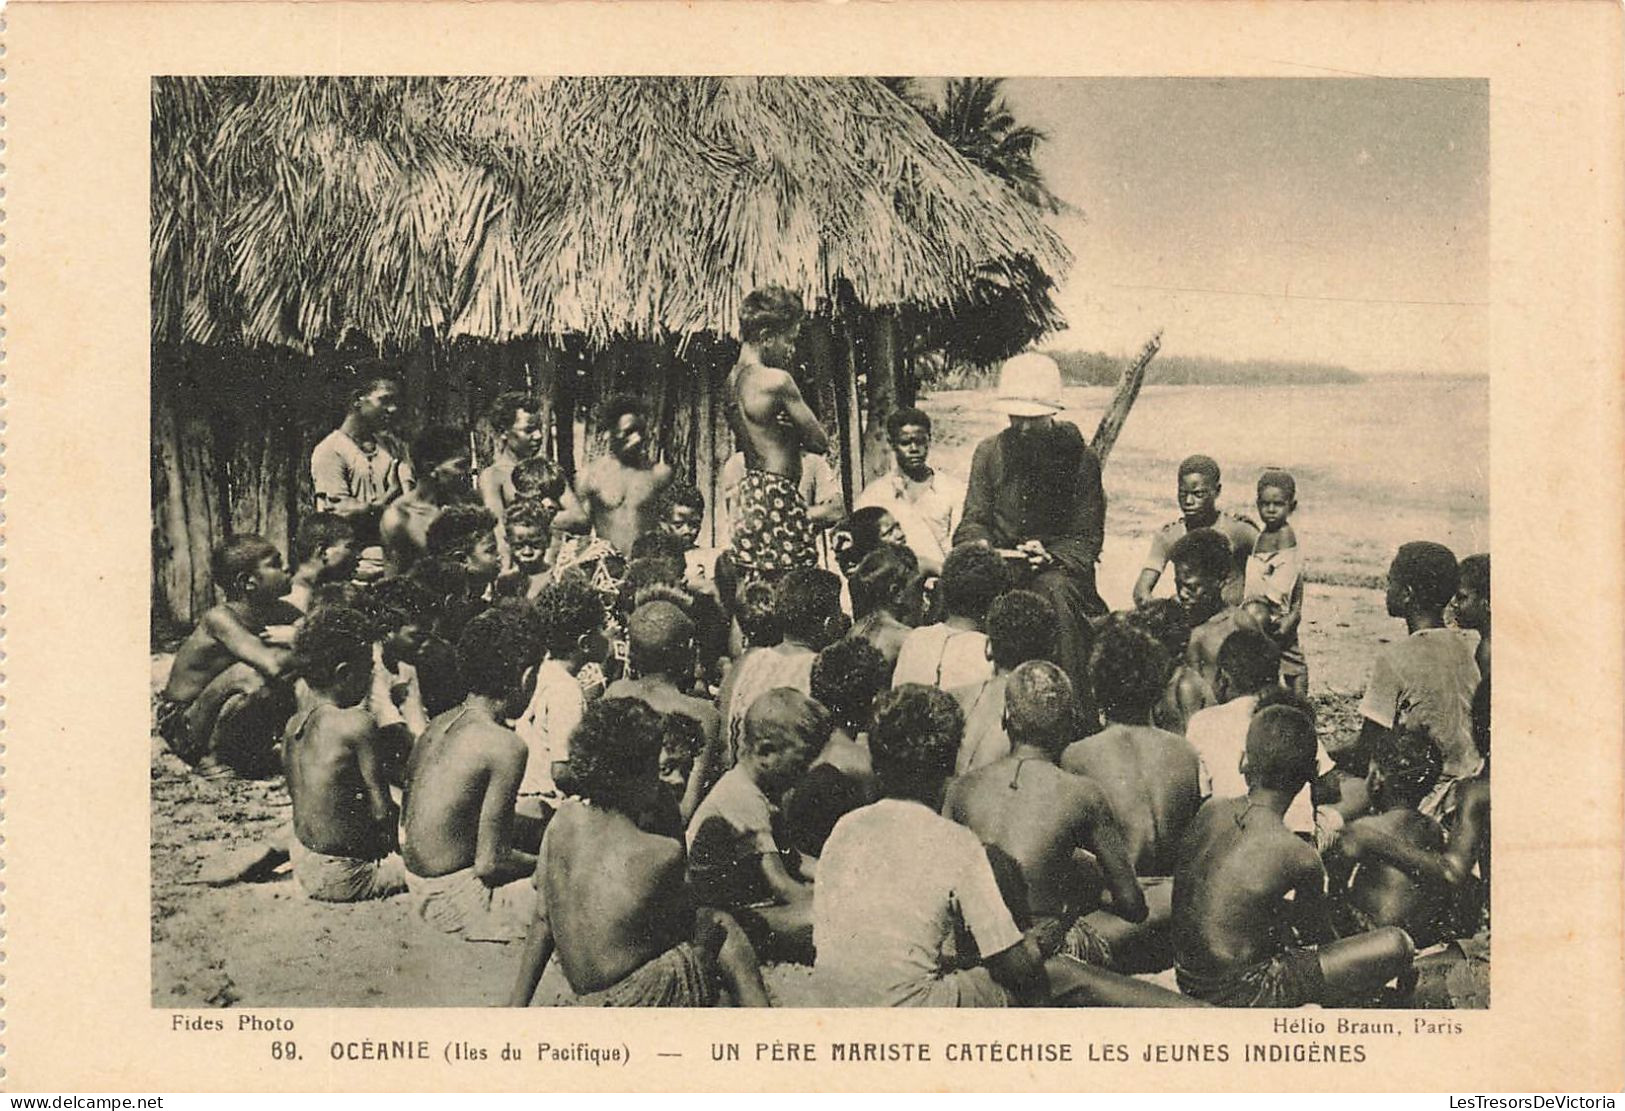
(660, 775)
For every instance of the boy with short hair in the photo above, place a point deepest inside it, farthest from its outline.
(681, 511)
(1428, 679)
(440, 462)
(221, 704)
(612, 904)
(846, 677)
(926, 502)
(885, 591)
(343, 848)
(1202, 561)
(519, 422)
(1020, 627)
(464, 536)
(953, 652)
(661, 649)
(1249, 664)
(1198, 495)
(324, 553)
(1238, 865)
(734, 859)
(463, 868)
(570, 612)
(1274, 574)
(1037, 816)
(529, 528)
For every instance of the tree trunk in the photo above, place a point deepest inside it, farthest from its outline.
(881, 378)
(851, 427)
(564, 416)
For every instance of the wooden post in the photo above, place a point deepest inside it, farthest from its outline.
(564, 416)
(851, 427)
(1128, 389)
(881, 378)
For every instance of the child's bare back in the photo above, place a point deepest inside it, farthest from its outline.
(454, 769)
(228, 634)
(1382, 893)
(336, 782)
(1152, 779)
(615, 895)
(1237, 865)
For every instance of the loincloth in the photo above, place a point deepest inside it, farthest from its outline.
(772, 531)
(345, 879)
(169, 723)
(683, 976)
(1291, 978)
(459, 903)
(1082, 942)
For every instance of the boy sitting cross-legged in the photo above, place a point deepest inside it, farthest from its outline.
(612, 903)
(343, 818)
(1233, 920)
(462, 781)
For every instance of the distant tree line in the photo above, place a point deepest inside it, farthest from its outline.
(1096, 368)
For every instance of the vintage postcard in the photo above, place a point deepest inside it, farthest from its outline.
(861, 512)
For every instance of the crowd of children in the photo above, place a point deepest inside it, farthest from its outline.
(553, 720)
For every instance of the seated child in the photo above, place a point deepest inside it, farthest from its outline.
(885, 590)
(324, 554)
(1233, 920)
(571, 613)
(462, 866)
(808, 605)
(1275, 574)
(343, 817)
(1020, 627)
(529, 528)
(661, 654)
(538, 480)
(863, 532)
(846, 677)
(681, 740)
(901, 887)
(734, 859)
(1034, 817)
(440, 464)
(1198, 495)
(1201, 560)
(1428, 679)
(222, 706)
(1388, 887)
(612, 904)
(680, 513)
(1151, 777)
(412, 653)
(1472, 606)
(1185, 692)
(463, 535)
(953, 653)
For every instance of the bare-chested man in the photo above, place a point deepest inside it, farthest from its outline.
(1234, 923)
(1035, 817)
(618, 495)
(337, 766)
(518, 421)
(440, 462)
(462, 782)
(773, 426)
(660, 640)
(613, 904)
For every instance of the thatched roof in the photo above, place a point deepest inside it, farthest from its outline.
(286, 210)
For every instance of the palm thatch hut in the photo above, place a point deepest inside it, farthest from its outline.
(577, 237)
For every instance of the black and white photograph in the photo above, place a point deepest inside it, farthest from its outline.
(821, 541)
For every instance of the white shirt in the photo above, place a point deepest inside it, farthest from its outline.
(943, 657)
(554, 712)
(894, 880)
(928, 511)
(1219, 736)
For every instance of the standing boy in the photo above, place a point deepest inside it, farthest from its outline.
(617, 495)
(462, 781)
(1198, 493)
(343, 817)
(926, 502)
(520, 424)
(612, 904)
(1274, 574)
(1426, 681)
(1239, 864)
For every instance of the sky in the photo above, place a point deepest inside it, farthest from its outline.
(1325, 220)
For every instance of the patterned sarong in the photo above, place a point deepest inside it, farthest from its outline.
(772, 532)
(682, 976)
